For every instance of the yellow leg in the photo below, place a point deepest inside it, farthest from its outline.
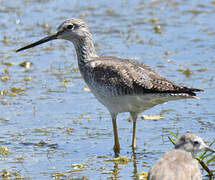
(134, 118)
(116, 146)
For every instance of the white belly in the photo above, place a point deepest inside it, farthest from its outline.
(134, 103)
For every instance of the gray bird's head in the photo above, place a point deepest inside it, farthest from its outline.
(192, 143)
(74, 30)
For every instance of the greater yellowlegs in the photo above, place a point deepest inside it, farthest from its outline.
(121, 85)
(179, 163)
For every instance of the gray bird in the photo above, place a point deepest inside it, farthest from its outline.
(121, 85)
(179, 163)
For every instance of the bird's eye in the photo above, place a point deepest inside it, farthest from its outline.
(70, 26)
(196, 143)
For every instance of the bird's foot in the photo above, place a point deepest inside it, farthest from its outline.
(116, 150)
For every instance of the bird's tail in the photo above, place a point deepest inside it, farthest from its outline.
(191, 91)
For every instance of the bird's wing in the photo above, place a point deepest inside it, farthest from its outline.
(133, 76)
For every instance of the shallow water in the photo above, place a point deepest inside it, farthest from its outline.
(54, 123)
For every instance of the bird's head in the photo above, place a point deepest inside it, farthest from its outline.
(74, 30)
(192, 143)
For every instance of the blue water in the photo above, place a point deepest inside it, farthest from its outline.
(72, 123)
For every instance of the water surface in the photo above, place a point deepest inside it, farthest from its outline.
(55, 128)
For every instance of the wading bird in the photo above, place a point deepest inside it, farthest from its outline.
(179, 163)
(121, 85)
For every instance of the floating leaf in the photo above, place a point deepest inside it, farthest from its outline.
(142, 176)
(194, 11)
(102, 168)
(19, 160)
(187, 72)
(5, 78)
(82, 15)
(59, 175)
(153, 20)
(4, 150)
(3, 92)
(151, 117)
(3, 119)
(37, 130)
(8, 63)
(45, 25)
(26, 64)
(101, 156)
(111, 12)
(120, 160)
(40, 143)
(63, 82)
(48, 48)
(6, 70)
(5, 174)
(16, 90)
(167, 53)
(27, 78)
(69, 130)
(5, 40)
(202, 70)
(157, 29)
(11, 94)
(78, 166)
(5, 102)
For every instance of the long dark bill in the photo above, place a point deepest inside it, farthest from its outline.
(41, 41)
(210, 149)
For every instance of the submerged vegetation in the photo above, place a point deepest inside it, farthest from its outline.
(51, 125)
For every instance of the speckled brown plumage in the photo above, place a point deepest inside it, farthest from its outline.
(130, 77)
(121, 85)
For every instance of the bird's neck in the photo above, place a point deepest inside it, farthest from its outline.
(188, 150)
(84, 49)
